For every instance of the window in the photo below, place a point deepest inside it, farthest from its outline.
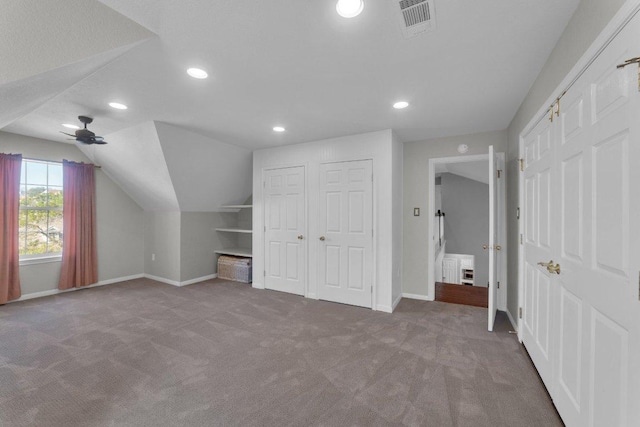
(40, 209)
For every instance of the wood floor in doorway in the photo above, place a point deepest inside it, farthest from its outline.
(476, 296)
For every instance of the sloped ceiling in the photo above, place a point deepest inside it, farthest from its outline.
(184, 144)
(477, 171)
(46, 47)
(165, 168)
(291, 63)
(135, 161)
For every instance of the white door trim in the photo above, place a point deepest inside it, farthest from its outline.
(431, 212)
(617, 23)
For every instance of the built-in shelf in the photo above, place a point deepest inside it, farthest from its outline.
(237, 206)
(241, 252)
(244, 252)
(235, 230)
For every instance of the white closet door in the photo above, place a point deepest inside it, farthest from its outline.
(346, 227)
(285, 247)
(539, 332)
(597, 153)
(493, 241)
(594, 210)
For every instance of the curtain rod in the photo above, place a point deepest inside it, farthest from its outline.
(52, 161)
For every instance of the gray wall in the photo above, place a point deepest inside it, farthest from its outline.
(397, 196)
(416, 194)
(119, 220)
(466, 223)
(587, 23)
(199, 240)
(162, 239)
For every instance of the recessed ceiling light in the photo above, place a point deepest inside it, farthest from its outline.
(118, 106)
(67, 125)
(349, 8)
(400, 105)
(197, 73)
(278, 129)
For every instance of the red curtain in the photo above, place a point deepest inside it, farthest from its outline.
(79, 255)
(10, 165)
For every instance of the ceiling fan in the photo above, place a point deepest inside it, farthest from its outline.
(85, 136)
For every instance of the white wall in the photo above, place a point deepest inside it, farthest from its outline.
(416, 245)
(587, 23)
(119, 220)
(378, 146)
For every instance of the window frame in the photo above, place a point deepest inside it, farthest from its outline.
(45, 257)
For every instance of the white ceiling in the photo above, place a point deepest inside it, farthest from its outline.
(295, 63)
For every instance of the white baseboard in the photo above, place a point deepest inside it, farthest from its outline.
(396, 302)
(50, 292)
(119, 279)
(198, 279)
(417, 296)
(180, 284)
(513, 322)
(384, 308)
(162, 279)
(257, 285)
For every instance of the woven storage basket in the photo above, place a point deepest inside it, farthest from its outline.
(234, 268)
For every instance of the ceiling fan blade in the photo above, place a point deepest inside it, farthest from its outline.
(100, 141)
(68, 134)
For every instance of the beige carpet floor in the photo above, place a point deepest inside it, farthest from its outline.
(141, 353)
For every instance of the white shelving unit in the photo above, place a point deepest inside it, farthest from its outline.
(243, 252)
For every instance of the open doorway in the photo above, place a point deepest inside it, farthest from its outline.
(467, 260)
(462, 216)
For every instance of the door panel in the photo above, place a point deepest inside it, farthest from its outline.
(493, 241)
(285, 252)
(346, 224)
(594, 332)
(539, 295)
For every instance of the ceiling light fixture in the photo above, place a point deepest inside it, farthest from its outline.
(349, 8)
(400, 105)
(278, 129)
(197, 73)
(70, 126)
(118, 106)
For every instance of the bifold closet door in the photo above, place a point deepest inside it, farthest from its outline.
(582, 313)
(346, 228)
(284, 218)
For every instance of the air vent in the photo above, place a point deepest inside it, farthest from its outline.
(416, 16)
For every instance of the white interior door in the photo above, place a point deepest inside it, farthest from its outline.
(346, 227)
(592, 303)
(493, 241)
(540, 296)
(285, 247)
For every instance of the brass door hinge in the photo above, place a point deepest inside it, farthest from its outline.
(499, 173)
(521, 165)
(498, 285)
(521, 239)
(629, 62)
(520, 312)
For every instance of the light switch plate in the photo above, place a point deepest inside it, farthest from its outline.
(416, 211)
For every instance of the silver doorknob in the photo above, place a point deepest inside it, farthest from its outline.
(498, 248)
(322, 238)
(485, 246)
(300, 237)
